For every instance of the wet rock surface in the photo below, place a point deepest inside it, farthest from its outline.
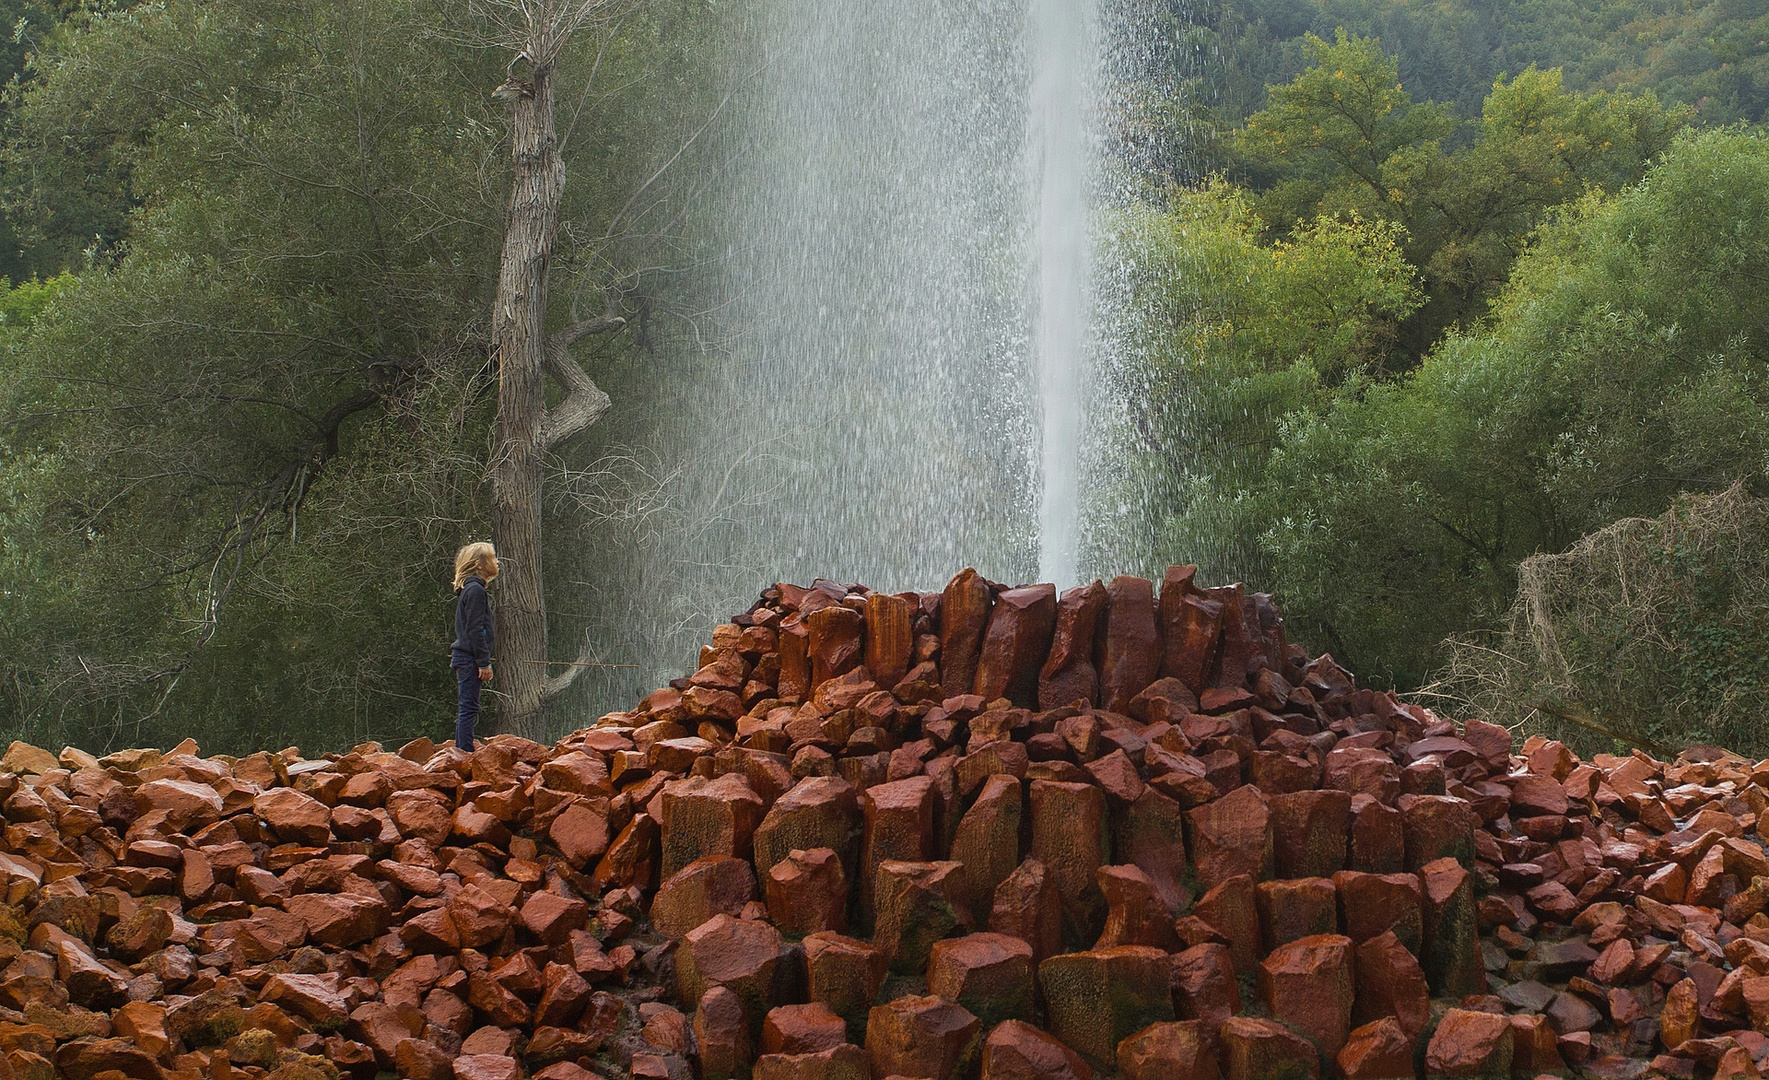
(985, 832)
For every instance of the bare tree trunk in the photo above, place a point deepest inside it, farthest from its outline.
(520, 332)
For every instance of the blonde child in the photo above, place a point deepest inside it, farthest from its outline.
(476, 565)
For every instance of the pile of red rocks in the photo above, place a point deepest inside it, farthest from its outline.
(983, 832)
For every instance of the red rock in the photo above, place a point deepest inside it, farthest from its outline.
(486, 1067)
(1097, 999)
(580, 832)
(492, 998)
(808, 893)
(1148, 835)
(1015, 644)
(1204, 985)
(417, 1059)
(1309, 831)
(316, 998)
(1176, 1050)
(987, 842)
(1018, 1051)
(90, 1058)
(1370, 904)
(917, 904)
(843, 974)
(989, 974)
(1232, 908)
(344, 920)
(479, 917)
(1533, 795)
(1129, 651)
(834, 643)
(1294, 909)
(1070, 839)
(739, 954)
(717, 884)
(1116, 775)
(1438, 827)
(1470, 1044)
(383, 1028)
(551, 917)
(802, 1029)
(144, 1024)
(721, 1034)
(898, 824)
(1135, 912)
(1451, 959)
(1390, 982)
(1380, 1050)
(294, 817)
(708, 817)
(921, 1036)
(1378, 840)
(1308, 985)
(1679, 1020)
(1068, 674)
(846, 1062)
(1533, 1049)
(964, 614)
(890, 637)
(1026, 906)
(188, 805)
(1191, 630)
(818, 812)
(1230, 837)
(1362, 771)
(564, 996)
(1257, 1049)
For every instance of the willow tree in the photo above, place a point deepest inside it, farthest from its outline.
(537, 32)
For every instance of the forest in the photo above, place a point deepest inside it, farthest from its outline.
(1420, 291)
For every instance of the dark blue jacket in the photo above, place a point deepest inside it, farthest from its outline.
(475, 632)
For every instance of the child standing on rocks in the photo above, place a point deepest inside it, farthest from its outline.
(476, 565)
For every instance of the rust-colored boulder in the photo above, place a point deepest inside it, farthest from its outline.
(708, 817)
(1135, 912)
(316, 998)
(90, 1058)
(717, 884)
(1254, 1048)
(1070, 839)
(1378, 840)
(890, 637)
(1068, 674)
(1016, 1050)
(987, 842)
(845, 1062)
(845, 975)
(344, 920)
(921, 1037)
(1015, 644)
(917, 904)
(739, 954)
(551, 918)
(1097, 999)
(1438, 827)
(802, 1029)
(1026, 906)
(1379, 1050)
(1148, 834)
(1307, 984)
(1174, 1050)
(989, 974)
(1451, 959)
(1470, 1044)
(817, 812)
(1372, 903)
(1390, 982)
(721, 1034)
(898, 823)
(295, 818)
(834, 642)
(1231, 836)
(1129, 651)
(964, 615)
(1191, 630)
(580, 831)
(1205, 988)
(1295, 908)
(808, 892)
(1310, 830)
(1231, 911)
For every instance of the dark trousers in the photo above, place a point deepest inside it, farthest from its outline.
(467, 681)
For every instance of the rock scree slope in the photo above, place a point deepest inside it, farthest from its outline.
(985, 832)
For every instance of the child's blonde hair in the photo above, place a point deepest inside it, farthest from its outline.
(475, 558)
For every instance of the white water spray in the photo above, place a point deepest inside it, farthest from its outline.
(1060, 62)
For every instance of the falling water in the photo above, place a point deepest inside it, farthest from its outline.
(1061, 60)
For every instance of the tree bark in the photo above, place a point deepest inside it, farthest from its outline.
(519, 331)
